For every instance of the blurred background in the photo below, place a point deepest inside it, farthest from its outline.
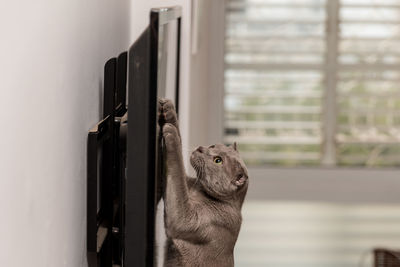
(312, 92)
(313, 82)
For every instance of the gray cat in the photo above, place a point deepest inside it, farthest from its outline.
(202, 214)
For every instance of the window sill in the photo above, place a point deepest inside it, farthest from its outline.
(325, 184)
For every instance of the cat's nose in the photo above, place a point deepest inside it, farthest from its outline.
(201, 149)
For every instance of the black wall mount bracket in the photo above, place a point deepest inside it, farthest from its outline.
(106, 153)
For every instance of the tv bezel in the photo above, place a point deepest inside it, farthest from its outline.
(142, 154)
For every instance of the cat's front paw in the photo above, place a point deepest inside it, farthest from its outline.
(168, 112)
(171, 137)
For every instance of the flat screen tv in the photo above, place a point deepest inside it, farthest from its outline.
(153, 72)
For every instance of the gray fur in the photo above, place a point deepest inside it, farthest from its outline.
(203, 213)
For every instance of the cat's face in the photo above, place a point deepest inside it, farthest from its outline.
(220, 170)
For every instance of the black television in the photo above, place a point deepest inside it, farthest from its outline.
(153, 72)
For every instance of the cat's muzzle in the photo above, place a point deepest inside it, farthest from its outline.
(240, 180)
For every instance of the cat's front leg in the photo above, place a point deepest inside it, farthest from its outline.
(182, 219)
(176, 193)
(173, 147)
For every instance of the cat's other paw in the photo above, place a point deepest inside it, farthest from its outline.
(171, 136)
(168, 112)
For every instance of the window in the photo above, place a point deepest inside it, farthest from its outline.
(313, 82)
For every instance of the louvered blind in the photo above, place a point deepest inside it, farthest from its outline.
(369, 83)
(313, 81)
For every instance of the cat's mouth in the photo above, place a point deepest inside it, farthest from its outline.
(240, 180)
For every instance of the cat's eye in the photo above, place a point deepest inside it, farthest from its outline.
(218, 160)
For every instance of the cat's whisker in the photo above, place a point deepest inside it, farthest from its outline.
(195, 183)
(199, 169)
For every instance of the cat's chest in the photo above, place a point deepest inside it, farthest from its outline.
(230, 218)
(218, 214)
(225, 217)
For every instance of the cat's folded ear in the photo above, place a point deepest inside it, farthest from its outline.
(234, 146)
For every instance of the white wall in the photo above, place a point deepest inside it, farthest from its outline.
(200, 78)
(51, 66)
(52, 54)
(207, 75)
